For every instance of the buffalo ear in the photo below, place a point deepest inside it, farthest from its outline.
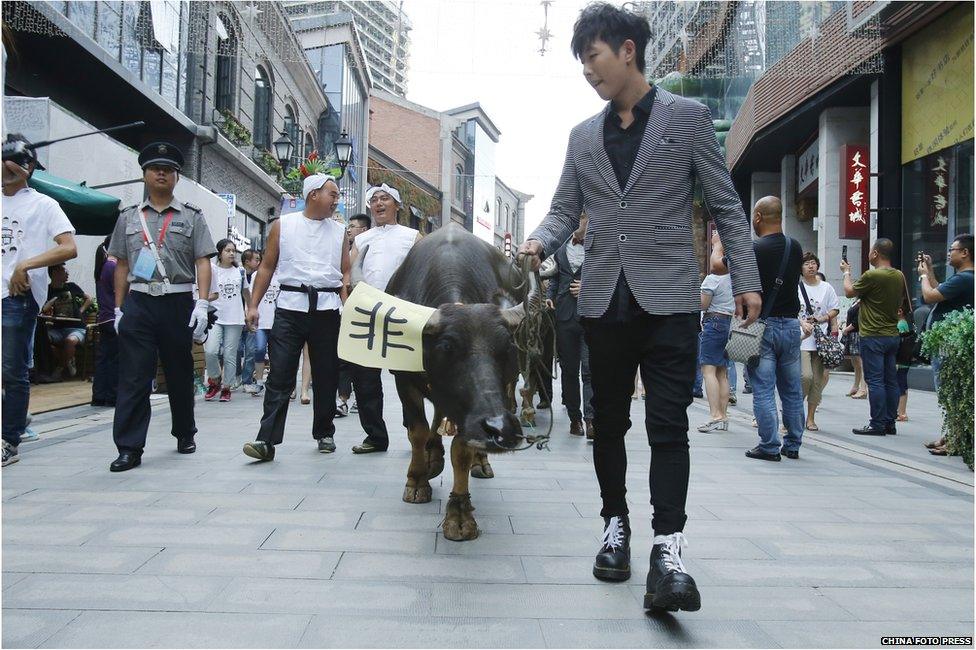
(513, 316)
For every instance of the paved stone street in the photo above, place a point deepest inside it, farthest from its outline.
(857, 540)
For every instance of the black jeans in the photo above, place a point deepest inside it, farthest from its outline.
(665, 348)
(345, 380)
(105, 384)
(369, 398)
(289, 334)
(573, 356)
(154, 327)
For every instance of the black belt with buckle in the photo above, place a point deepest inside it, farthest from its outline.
(312, 292)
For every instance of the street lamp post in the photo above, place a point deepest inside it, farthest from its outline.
(283, 148)
(343, 150)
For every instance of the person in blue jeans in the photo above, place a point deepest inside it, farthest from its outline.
(882, 291)
(778, 366)
(32, 222)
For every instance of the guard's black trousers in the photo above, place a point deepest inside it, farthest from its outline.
(289, 334)
(368, 385)
(154, 327)
(665, 348)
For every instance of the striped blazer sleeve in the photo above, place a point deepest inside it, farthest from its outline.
(724, 205)
(564, 211)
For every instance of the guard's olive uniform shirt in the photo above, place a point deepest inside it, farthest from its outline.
(187, 238)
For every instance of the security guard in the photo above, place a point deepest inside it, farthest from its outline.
(158, 243)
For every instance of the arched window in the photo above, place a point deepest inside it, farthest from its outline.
(508, 225)
(459, 184)
(263, 95)
(498, 212)
(294, 133)
(227, 63)
(309, 144)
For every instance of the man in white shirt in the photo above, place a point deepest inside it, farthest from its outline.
(31, 223)
(309, 252)
(380, 251)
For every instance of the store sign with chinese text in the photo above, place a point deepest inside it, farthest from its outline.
(808, 167)
(938, 168)
(855, 192)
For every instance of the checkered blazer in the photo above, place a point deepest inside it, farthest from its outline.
(645, 228)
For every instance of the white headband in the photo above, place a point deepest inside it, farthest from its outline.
(315, 182)
(392, 191)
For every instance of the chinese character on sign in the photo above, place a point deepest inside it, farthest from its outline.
(855, 197)
(371, 325)
(939, 213)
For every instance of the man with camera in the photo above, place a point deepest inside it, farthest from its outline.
(163, 246)
(32, 222)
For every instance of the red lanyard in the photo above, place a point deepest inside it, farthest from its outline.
(162, 231)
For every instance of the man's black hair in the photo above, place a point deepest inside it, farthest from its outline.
(248, 254)
(613, 25)
(885, 248)
(362, 218)
(965, 241)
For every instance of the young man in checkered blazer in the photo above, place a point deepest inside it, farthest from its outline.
(632, 168)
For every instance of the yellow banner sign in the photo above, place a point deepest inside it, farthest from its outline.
(381, 331)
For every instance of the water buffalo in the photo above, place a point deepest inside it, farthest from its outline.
(470, 362)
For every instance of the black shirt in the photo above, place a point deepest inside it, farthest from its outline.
(621, 146)
(769, 256)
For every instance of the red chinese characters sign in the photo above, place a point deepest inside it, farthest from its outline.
(938, 194)
(855, 192)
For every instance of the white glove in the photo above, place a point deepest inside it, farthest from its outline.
(198, 319)
(118, 319)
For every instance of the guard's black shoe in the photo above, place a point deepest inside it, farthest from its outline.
(613, 561)
(759, 454)
(890, 430)
(792, 453)
(186, 445)
(259, 450)
(868, 431)
(126, 461)
(669, 587)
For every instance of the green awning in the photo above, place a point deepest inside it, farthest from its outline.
(91, 212)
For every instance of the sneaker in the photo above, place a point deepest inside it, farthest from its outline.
(248, 388)
(236, 385)
(669, 587)
(258, 389)
(260, 450)
(28, 435)
(613, 561)
(326, 445)
(732, 399)
(72, 367)
(10, 454)
(213, 390)
(342, 409)
(747, 390)
(714, 425)
(225, 394)
(367, 447)
(354, 408)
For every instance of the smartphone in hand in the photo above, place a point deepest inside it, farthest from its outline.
(843, 252)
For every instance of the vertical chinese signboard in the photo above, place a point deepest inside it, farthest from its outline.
(855, 192)
(938, 168)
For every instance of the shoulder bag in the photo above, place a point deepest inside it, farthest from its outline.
(829, 349)
(745, 343)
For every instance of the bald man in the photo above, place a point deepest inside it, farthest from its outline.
(779, 363)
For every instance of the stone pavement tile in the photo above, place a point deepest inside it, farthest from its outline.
(224, 516)
(180, 630)
(308, 489)
(481, 491)
(135, 592)
(49, 534)
(199, 535)
(330, 631)
(763, 604)
(371, 504)
(209, 501)
(560, 496)
(10, 578)
(188, 485)
(88, 497)
(429, 568)
(846, 634)
(680, 631)
(132, 515)
(906, 515)
(529, 509)
(959, 531)
(217, 562)
(904, 604)
(75, 559)
(31, 628)
(865, 532)
(791, 573)
(494, 524)
(781, 512)
(579, 570)
(488, 544)
(868, 550)
(923, 574)
(961, 505)
(15, 511)
(292, 538)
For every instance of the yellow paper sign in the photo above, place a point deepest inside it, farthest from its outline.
(381, 331)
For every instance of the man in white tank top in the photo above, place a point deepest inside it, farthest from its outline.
(309, 252)
(380, 250)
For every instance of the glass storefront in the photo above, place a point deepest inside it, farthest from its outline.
(937, 205)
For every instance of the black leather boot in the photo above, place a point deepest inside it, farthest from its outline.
(613, 561)
(669, 587)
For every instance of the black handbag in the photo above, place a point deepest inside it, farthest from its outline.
(909, 347)
(830, 351)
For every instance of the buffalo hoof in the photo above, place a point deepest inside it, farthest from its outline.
(482, 469)
(459, 524)
(435, 462)
(418, 494)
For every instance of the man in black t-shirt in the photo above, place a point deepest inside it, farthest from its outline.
(779, 362)
(63, 311)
